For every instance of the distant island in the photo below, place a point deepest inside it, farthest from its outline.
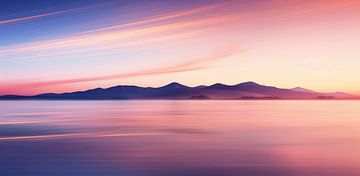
(177, 91)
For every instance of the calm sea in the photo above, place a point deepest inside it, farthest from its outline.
(180, 138)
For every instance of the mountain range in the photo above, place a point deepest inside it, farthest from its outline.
(246, 90)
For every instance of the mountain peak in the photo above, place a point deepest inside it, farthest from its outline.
(218, 85)
(174, 85)
(249, 83)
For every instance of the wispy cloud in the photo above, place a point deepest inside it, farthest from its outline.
(148, 29)
(190, 65)
(118, 36)
(32, 17)
(164, 17)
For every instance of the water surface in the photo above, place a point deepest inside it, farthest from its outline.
(177, 138)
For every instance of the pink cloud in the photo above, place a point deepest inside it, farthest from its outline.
(194, 64)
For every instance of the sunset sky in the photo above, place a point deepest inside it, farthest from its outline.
(70, 45)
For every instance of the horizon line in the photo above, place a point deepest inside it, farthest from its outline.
(176, 82)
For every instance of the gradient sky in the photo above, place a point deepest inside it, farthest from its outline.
(61, 46)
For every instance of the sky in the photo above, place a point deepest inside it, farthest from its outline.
(65, 46)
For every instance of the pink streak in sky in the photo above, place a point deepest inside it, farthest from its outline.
(194, 64)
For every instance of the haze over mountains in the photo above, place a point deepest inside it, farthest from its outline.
(246, 90)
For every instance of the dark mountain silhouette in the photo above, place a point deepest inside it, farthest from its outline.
(246, 90)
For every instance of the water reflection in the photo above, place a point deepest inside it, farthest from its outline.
(159, 138)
